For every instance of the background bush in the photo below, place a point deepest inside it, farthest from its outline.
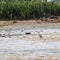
(27, 9)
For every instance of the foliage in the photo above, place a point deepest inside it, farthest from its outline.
(27, 9)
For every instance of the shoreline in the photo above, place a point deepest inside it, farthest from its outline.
(32, 24)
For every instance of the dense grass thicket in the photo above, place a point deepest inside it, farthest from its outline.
(27, 9)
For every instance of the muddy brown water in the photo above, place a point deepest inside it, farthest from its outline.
(14, 48)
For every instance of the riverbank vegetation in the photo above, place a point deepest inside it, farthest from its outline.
(27, 9)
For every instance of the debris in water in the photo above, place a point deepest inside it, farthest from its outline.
(40, 35)
(27, 33)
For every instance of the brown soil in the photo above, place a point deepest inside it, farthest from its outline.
(34, 23)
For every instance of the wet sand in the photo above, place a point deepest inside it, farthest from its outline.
(30, 23)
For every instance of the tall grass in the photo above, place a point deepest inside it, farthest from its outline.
(27, 9)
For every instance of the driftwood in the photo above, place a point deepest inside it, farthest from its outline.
(54, 17)
(27, 33)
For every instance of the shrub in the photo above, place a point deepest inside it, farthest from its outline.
(27, 9)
